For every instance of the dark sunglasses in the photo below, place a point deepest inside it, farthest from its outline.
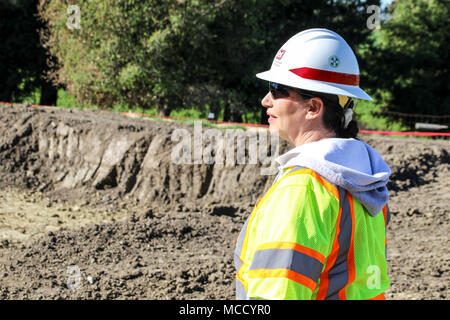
(281, 91)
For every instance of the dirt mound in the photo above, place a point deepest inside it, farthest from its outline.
(94, 207)
(60, 150)
(414, 163)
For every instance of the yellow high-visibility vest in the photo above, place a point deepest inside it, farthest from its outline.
(308, 239)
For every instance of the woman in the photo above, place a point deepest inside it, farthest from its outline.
(320, 231)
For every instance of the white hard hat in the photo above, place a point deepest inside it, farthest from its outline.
(317, 60)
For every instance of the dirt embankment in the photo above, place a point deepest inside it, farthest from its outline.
(67, 150)
(93, 206)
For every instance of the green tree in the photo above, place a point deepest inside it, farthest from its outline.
(178, 54)
(128, 51)
(22, 58)
(406, 61)
(248, 33)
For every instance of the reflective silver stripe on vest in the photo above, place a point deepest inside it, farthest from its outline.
(338, 275)
(287, 259)
(241, 294)
(240, 242)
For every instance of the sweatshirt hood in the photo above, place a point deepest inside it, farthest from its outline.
(348, 163)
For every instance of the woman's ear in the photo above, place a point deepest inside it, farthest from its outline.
(314, 108)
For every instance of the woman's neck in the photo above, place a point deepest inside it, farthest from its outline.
(312, 136)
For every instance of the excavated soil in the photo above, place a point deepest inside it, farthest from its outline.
(93, 206)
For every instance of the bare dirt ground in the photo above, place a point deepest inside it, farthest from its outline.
(92, 207)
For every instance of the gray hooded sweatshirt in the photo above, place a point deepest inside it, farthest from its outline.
(348, 163)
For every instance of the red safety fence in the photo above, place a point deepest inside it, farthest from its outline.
(377, 132)
(406, 133)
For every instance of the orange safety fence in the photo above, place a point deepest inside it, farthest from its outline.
(377, 132)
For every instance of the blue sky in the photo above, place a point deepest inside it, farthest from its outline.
(385, 3)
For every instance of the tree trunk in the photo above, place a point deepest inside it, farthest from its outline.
(163, 108)
(226, 112)
(236, 116)
(264, 116)
(164, 111)
(49, 94)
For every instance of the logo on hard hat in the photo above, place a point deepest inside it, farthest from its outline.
(280, 54)
(333, 61)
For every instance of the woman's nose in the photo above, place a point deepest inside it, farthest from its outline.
(267, 101)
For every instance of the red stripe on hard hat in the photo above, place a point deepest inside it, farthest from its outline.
(327, 76)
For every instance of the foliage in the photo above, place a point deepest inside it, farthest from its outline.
(22, 59)
(369, 117)
(406, 61)
(192, 57)
(66, 100)
(128, 51)
(186, 53)
(249, 33)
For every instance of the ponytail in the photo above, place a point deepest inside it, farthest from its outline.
(350, 132)
(334, 119)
